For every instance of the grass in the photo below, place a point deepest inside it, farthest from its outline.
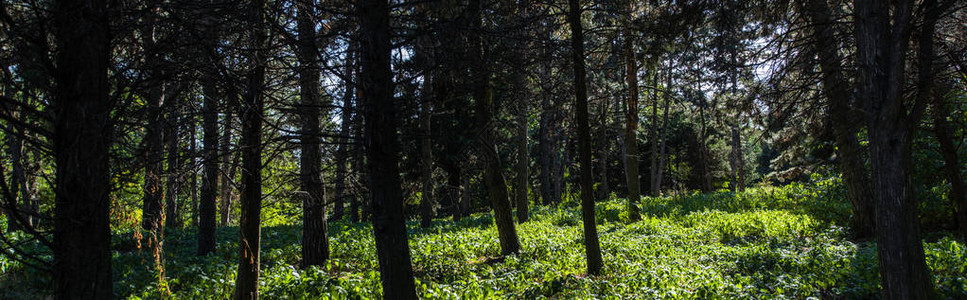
(789, 242)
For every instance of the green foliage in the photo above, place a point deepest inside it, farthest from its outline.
(769, 242)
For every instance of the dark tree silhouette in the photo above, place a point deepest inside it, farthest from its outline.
(376, 97)
(83, 128)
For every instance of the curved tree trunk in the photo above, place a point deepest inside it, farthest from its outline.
(493, 169)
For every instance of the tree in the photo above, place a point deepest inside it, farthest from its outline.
(209, 154)
(838, 99)
(173, 184)
(82, 135)
(376, 91)
(493, 168)
(315, 242)
(882, 40)
(591, 244)
(631, 117)
(152, 214)
(342, 153)
(250, 227)
(523, 93)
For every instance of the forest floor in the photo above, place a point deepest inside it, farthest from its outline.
(768, 242)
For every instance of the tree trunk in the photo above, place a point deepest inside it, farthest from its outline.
(736, 160)
(465, 194)
(546, 151)
(653, 131)
(603, 141)
(592, 246)
(81, 113)
(18, 181)
(382, 146)
(631, 121)
(152, 207)
(250, 227)
(660, 166)
(523, 156)
(523, 92)
(425, 55)
(315, 242)
(838, 95)
(173, 184)
(547, 141)
(357, 205)
(342, 153)
(605, 189)
(228, 169)
(454, 191)
(426, 156)
(881, 47)
(192, 162)
(209, 179)
(704, 151)
(493, 169)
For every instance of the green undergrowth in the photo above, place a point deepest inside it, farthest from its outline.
(789, 242)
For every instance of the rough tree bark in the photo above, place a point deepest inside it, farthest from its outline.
(382, 146)
(81, 113)
(838, 98)
(882, 40)
(315, 241)
(247, 280)
(591, 244)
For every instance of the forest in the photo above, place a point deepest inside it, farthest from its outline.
(483, 149)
